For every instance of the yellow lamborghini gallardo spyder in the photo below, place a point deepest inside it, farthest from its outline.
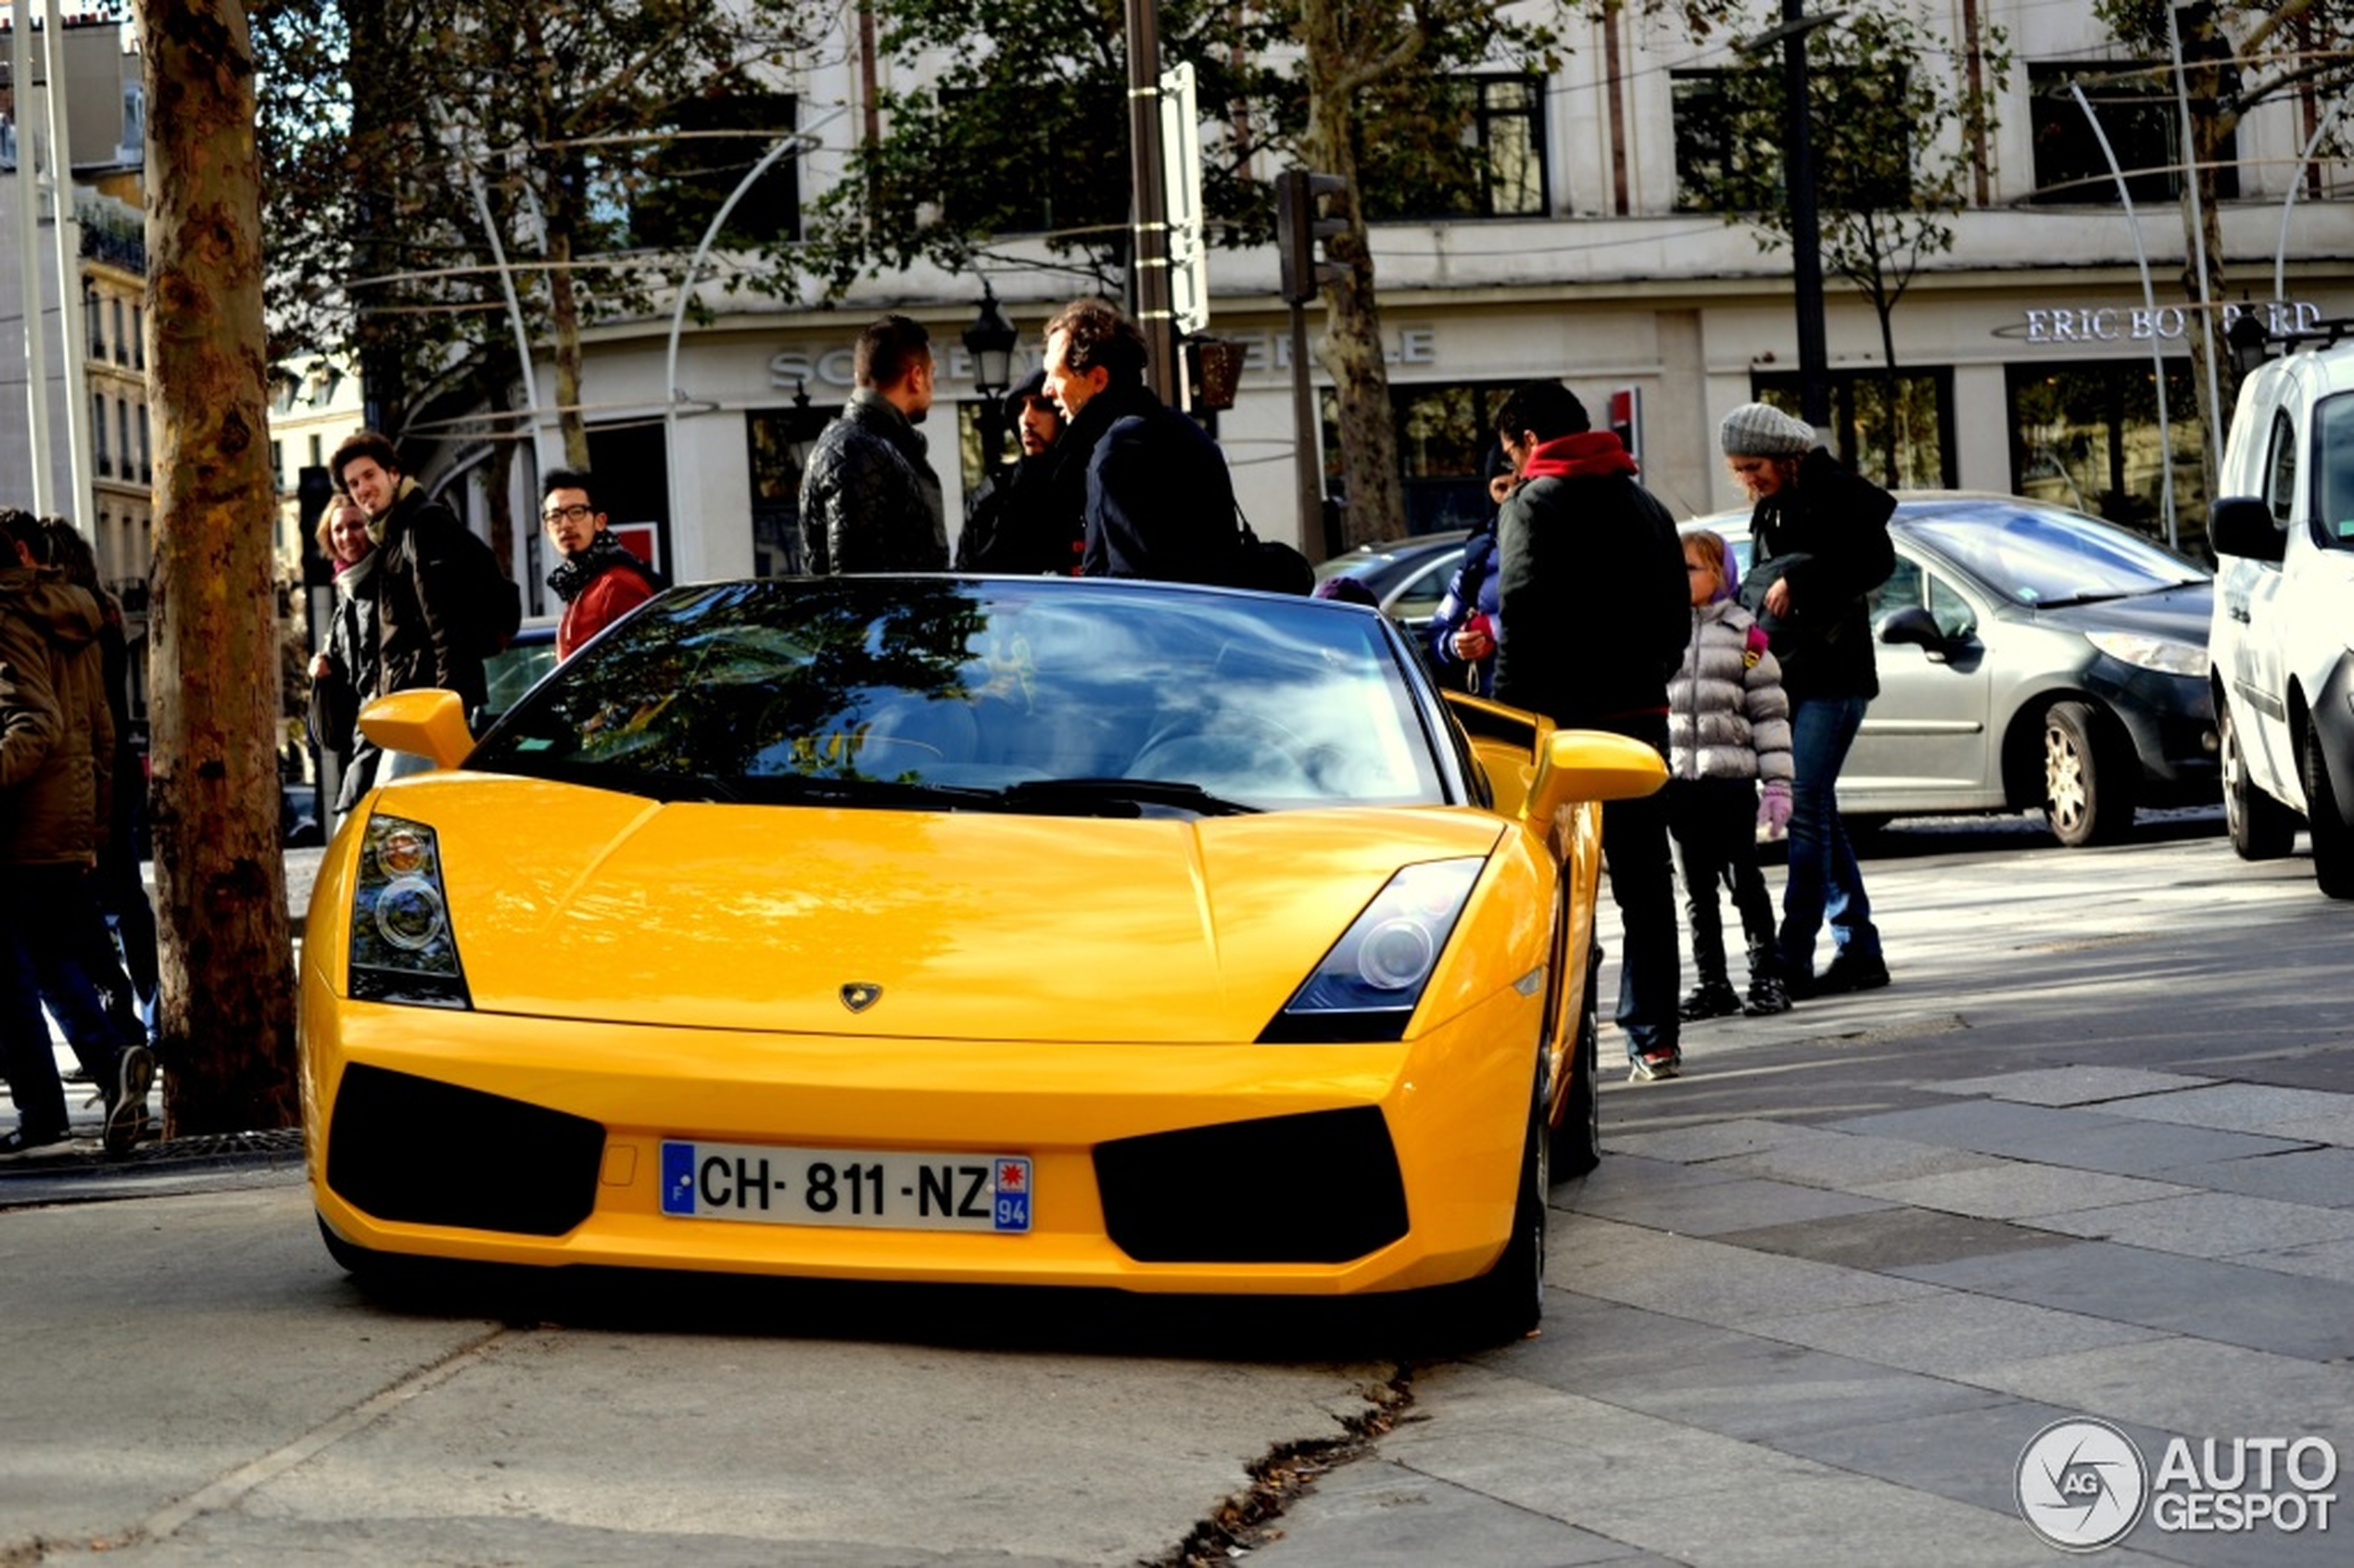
(1041, 930)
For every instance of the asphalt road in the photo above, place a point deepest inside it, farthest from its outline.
(2093, 1154)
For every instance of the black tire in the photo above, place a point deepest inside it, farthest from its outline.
(1507, 1302)
(2261, 827)
(1577, 1142)
(2333, 839)
(2088, 777)
(362, 1263)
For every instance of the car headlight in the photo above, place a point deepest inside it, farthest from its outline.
(2164, 655)
(1365, 988)
(402, 948)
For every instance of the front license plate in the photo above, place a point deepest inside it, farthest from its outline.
(878, 1189)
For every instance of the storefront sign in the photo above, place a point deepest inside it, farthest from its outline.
(793, 369)
(2111, 323)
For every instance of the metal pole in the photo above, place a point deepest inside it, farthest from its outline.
(1308, 458)
(1806, 240)
(2217, 416)
(1150, 274)
(2296, 178)
(36, 346)
(2149, 300)
(690, 570)
(79, 504)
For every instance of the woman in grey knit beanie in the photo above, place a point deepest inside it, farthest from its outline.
(1763, 430)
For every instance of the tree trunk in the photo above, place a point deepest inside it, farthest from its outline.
(563, 320)
(228, 1006)
(1376, 504)
(2203, 226)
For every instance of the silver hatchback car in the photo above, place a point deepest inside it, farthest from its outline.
(2030, 656)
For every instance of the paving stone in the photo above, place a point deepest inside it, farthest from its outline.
(1712, 1282)
(2192, 1387)
(1740, 1204)
(1954, 1333)
(1824, 1521)
(2205, 1224)
(1891, 1237)
(2070, 1085)
(1969, 1455)
(2156, 1148)
(2320, 1260)
(2226, 1302)
(1847, 1161)
(2324, 1176)
(1787, 1388)
(2337, 1129)
(1987, 1126)
(2017, 1187)
(1586, 1339)
(2239, 1108)
(1373, 1514)
(1705, 1141)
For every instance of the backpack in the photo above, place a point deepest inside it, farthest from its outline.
(493, 600)
(1269, 565)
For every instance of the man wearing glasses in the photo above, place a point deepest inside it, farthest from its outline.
(599, 579)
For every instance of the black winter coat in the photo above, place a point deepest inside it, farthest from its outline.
(1832, 527)
(1152, 487)
(423, 608)
(335, 698)
(870, 501)
(1014, 524)
(1592, 603)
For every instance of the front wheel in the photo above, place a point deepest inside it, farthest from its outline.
(1507, 1302)
(2088, 787)
(2261, 827)
(2333, 839)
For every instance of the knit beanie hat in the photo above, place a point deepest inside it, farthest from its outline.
(1762, 430)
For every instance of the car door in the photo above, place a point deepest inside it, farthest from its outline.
(2246, 644)
(1924, 744)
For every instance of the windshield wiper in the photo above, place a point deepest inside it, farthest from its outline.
(1092, 796)
(796, 789)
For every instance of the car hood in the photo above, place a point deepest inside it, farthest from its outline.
(2178, 612)
(575, 902)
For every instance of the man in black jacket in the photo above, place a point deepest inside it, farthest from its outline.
(870, 502)
(425, 635)
(1595, 616)
(1012, 525)
(1150, 482)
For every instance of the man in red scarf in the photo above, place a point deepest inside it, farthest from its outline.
(1595, 615)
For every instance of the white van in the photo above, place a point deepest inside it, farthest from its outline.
(2282, 643)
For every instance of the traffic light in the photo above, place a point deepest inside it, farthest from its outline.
(1301, 231)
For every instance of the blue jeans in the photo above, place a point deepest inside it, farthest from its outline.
(1823, 883)
(1642, 884)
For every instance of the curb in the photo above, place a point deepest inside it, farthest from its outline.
(79, 1170)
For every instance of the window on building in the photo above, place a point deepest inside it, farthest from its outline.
(318, 451)
(122, 428)
(1729, 136)
(1022, 183)
(99, 436)
(1895, 431)
(1443, 436)
(1476, 151)
(2139, 115)
(122, 338)
(147, 459)
(94, 325)
(2086, 434)
(138, 338)
(685, 181)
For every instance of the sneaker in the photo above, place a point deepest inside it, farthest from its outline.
(127, 1110)
(1709, 999)
(1767, 996)
(1847, 972)
(1653, 1067)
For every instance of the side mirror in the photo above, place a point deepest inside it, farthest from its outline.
(2243, 526)
(429, 724)
(1588, 764)
(1912, 625)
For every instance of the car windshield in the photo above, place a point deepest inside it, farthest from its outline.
(2038, 556)
(1049, 696)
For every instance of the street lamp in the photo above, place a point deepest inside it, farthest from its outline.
(989, 340)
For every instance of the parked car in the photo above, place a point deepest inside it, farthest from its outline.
(1019, 930)
(2283, 639)
(514, 670)
(1407, 577)
(2029, 656)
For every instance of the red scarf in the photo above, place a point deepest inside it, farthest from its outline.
(1590, 454)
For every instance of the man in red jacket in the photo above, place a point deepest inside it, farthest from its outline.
(599, 579)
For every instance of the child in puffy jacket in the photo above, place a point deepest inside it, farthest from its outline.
(1727, 730)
